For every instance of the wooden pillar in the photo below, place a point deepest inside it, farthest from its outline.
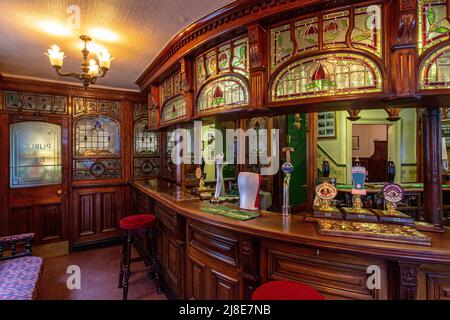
(432, 166)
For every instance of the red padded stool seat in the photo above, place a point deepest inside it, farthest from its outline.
(137, 222)
(286, 290)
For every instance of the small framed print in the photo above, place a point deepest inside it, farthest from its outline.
(355, 143)
(326, 125)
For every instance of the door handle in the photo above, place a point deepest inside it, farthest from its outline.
(59, 192)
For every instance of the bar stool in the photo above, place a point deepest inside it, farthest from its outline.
(132, 227)
(286, 290)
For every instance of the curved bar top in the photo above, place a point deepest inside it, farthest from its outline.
(294, 229)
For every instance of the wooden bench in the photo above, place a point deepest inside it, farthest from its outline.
(19, 272)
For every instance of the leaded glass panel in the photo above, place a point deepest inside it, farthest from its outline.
(282, 46)
(367, 33)
(434, 26)
(97, 136)
(35, 154)
(173, 109)
(222, 93)
(435, 71)
(240, 61)
(307, 34)
(224, 58)
(335, 27)
(324, 75)
(145, 141)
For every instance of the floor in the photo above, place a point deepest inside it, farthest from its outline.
(99, 270)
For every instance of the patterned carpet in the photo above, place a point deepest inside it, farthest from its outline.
(99, 277)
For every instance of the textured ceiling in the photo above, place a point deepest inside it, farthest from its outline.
(142, 28)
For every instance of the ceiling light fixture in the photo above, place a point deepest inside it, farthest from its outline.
(91, 71)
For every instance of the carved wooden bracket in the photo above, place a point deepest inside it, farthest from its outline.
(393, 114)
(353, 115)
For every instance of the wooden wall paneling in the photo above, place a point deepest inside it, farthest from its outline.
(433, 282)
(187, 88)
(4, 174)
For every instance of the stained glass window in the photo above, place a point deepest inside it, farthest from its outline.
(229, 57)
(35, 103)
(282, 45)
(367, 33)
(170, 87)
(97, 136)
(307, 34)
(433, 24)
(145, 141)
(435, 70)
(324, 75)
(222, 93)
(335, 26)
(35, 151)
(173, 109)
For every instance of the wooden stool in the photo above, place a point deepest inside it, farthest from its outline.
(286, 290)
(132, 226)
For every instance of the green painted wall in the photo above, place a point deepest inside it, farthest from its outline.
(297, 140)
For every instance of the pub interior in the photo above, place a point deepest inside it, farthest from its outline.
(314, 138)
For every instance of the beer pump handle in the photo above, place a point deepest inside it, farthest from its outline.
(288, 153)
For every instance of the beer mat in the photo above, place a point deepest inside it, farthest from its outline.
(372, 231)
(231, 212)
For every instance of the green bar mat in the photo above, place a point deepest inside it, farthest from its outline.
(231, 212)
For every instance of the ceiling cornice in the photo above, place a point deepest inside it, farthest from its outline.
(38, 85)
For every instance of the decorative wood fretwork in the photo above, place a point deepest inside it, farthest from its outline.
(35, 103)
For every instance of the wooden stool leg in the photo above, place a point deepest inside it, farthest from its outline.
(152, 256)
(126, 266)
(122, 259)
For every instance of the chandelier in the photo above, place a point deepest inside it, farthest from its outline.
(91, 71)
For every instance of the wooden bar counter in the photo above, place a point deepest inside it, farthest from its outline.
(207, 256)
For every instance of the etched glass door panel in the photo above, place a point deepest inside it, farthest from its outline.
(35, 154)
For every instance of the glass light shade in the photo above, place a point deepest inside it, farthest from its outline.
(55, 55)
(104, 59)
(93, 68)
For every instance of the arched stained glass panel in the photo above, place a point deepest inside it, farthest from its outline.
(435, 70)
(223, 93)
(173, 109)
(325, 75)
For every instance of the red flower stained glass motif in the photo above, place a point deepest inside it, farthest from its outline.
(312, 30)
(332, 27)
(320, 79)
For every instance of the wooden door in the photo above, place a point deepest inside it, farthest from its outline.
(37, 194)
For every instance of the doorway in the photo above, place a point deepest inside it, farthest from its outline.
(370, 147)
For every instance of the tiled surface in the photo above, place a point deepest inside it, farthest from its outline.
(99, 278)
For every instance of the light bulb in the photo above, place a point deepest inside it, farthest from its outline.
(93, 68)
(55, 55)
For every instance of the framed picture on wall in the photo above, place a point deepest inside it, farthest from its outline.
(326, 125)
(355, 143)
